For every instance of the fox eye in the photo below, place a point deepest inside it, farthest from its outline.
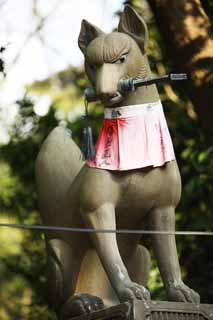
(122, 58)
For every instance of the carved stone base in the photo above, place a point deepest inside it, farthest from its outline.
(153, 310)
(164, 310)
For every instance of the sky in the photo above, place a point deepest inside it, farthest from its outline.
(53, 51)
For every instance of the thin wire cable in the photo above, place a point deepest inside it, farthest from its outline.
(41, 228)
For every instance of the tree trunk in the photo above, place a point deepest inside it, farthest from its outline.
(186, 31)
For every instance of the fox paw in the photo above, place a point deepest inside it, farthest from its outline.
(79, 305)
(181, 293)
(134, 291)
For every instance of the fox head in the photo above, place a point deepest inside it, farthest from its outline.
(112, 57)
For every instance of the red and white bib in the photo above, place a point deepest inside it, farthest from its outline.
(133, 137)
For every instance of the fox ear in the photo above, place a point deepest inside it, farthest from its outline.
(134, 25)
(88, 33)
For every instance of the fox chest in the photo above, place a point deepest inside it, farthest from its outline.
(141, 191)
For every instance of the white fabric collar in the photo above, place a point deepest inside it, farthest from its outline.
(132, 110)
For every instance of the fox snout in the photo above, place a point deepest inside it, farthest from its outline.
(107, 80)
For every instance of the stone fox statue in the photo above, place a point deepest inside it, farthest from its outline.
(123, 190)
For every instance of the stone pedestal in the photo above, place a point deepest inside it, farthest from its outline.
(153, 310)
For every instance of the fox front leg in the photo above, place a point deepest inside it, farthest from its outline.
(106, 245)
(163, 219)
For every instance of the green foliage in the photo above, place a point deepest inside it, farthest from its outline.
(64, 88)
(22, 254)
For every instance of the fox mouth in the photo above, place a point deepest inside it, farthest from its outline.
(113, 99)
